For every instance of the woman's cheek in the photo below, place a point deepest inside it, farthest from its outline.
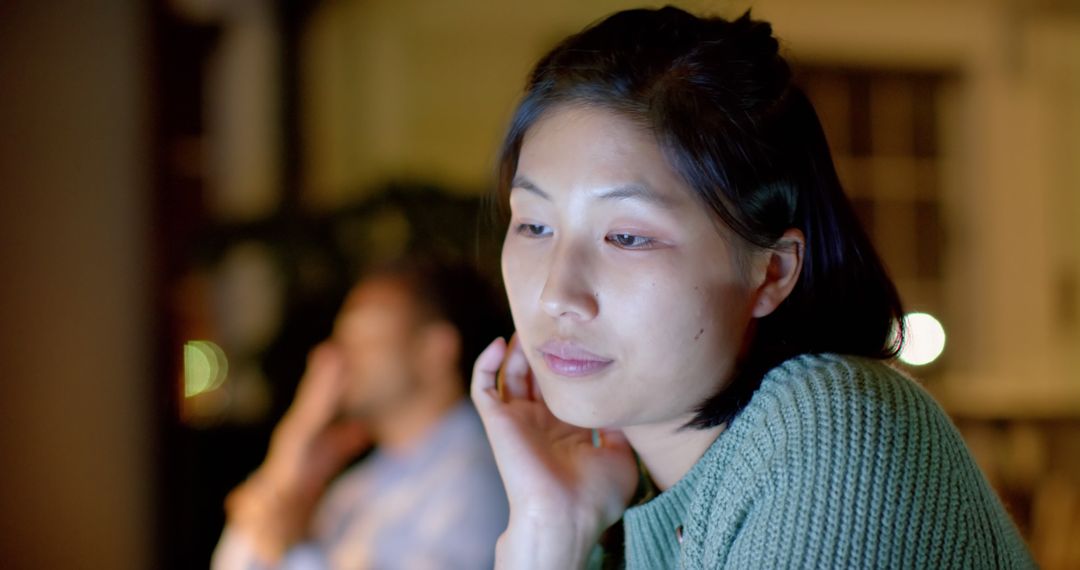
(510, 261)
(518, 267)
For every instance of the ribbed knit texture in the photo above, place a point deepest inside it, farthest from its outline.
(837, 462)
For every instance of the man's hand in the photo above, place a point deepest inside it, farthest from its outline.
(273, 507)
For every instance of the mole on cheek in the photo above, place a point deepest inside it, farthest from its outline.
(699, 333)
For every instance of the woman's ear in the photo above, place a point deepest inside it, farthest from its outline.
(784, 264)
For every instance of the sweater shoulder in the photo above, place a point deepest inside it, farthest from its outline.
(851, 447)
(824, 393)
(814, 411)
(836, 374)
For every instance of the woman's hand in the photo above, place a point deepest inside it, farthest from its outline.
(563, 489)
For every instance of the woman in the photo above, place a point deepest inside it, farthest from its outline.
(690, 287)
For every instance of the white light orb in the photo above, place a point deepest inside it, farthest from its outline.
(924, 340)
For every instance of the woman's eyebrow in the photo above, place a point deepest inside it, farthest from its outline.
(526, 184)
(637, 192)
(624, 192)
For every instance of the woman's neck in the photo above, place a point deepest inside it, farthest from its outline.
(669, 450)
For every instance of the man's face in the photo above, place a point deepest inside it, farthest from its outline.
(376, 332)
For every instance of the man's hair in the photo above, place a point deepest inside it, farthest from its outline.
(456, 292)
(720, 101)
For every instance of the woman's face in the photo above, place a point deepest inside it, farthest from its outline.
(628, 301)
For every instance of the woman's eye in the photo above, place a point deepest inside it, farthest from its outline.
(533, 230)
(630, 241)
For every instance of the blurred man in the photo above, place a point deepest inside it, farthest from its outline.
(393, 374)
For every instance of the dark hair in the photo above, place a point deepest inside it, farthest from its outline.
(454, 291)
(720, 100)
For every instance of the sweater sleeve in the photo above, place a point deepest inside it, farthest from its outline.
(852, 465)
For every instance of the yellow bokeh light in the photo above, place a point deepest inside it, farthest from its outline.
(924, 340)
(205, 367)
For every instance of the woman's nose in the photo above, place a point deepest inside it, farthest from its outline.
(567, 291)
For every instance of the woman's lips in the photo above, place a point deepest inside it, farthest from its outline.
(570, 359)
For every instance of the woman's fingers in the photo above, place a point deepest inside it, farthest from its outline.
(610, 439)
(484, 389)
(516, 376)
(503, 371)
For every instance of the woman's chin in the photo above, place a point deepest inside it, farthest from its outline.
(581, 422)
(582, 412)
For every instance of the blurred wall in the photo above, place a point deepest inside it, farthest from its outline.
(75, 397)
(432, 83)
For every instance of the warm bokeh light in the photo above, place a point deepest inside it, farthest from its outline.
(924, 339)
(205, 367)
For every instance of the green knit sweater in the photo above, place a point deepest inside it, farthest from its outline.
(836, 462)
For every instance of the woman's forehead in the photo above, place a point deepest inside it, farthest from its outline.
(597, 151)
